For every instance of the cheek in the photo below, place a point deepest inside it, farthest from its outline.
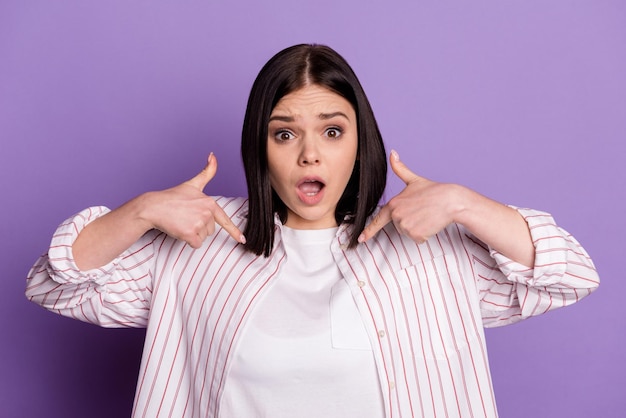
(272, 175)
(347, 160)
(271, 162)
(349, 168)
(277, 174)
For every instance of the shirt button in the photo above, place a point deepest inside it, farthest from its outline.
(392, 385)
(344, 246)
(361, 283)
(381, 333)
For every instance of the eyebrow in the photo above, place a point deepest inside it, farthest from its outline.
(326, 116)
(322, 116)
(282, 118)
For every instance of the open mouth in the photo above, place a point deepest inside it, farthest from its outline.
(310, 187)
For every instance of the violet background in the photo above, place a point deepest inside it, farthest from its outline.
(524, 101)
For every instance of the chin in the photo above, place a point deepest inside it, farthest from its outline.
(308, 219)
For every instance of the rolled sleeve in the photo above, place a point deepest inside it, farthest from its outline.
(115, 295)
(61, 264)
(562, 274)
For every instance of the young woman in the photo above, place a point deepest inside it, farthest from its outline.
(325, 305)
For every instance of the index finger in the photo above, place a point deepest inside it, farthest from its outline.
(382, 218)
(222, 219)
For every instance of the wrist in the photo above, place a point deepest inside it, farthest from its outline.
(462, 200)
(140, 211)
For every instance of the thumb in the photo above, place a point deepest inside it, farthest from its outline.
(204, 177)
(401, 170)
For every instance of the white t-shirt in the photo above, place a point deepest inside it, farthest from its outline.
(304, 351)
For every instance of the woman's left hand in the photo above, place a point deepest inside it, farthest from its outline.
(425, 207)
(421, 210)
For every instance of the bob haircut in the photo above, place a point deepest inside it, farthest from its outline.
(287, 71)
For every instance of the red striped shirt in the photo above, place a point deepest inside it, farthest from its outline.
(425, 306)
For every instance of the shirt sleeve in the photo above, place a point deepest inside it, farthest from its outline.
(563, 273)
(115, 295)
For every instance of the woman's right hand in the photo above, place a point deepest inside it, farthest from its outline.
(184, 212)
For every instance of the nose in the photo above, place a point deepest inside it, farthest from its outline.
(309, 153)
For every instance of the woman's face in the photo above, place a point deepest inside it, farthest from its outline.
(311, 150)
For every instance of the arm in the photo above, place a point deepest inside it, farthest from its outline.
(183, 212)
(523, 263)
(500, 227)
(425, 207)
(117, 294)
(562, 274)
(100, 263)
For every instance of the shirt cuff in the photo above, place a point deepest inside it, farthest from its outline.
(62, 267)
(550, 252)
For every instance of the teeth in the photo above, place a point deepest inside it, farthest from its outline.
(311, 188)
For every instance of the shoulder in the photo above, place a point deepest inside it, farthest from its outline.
(453, 240)
(233, 206)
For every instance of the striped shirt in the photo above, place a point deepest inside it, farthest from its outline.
(423, 306)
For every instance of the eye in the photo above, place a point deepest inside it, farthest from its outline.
(333, 132)
(283, 135)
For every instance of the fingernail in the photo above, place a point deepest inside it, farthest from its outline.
(361, 238)
(395, 155)
(242, 239)
(211, 157)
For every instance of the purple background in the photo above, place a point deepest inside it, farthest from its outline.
(524, 101)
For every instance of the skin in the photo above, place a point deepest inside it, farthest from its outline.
(426, 207)
(312, 135)
(183, 212)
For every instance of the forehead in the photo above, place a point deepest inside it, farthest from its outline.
(312, 99)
